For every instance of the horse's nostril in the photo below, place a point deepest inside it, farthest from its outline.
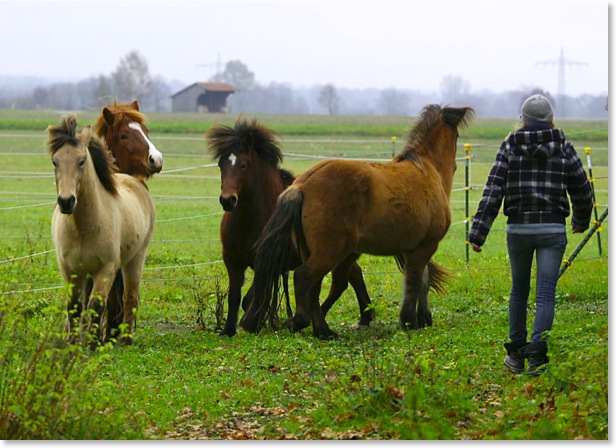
(67, 204)
(155, 165)
(228, 202)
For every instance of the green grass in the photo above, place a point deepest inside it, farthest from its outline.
(299, 125)
(180, 380)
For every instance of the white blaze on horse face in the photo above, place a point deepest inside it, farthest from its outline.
(232, 159)
(155, 154)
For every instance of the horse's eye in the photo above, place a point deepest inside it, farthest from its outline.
(123, 137)
(82, 163)
(55, 164)
(243, 166)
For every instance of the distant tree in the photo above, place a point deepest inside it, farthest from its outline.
(239, 76)
(60, 96)
(279, 98)
(131, 79)
(41, 97)
(159, 95)
(328, 98)
(394, 102)
(103, 87)
(454, 89)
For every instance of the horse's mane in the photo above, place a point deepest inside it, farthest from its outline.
(65, 133)
(122, 112)
(62, 134)
(104, 164)
(430, 117)
(222, 140)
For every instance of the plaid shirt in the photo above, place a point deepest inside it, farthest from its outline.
(534, 170)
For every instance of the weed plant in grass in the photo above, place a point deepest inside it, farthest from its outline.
(46, 385)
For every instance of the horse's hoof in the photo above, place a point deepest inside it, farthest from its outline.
(249, 325)
(425, 321)
(294, 324)
(289, 324)
(360, 327)
(364, 322)
(126, 340)
(327, 336)
(229, 332)
(410, 326)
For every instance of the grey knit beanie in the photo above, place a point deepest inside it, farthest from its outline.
(537, 110)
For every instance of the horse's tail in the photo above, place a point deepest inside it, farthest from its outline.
(437, 275)
(273, 251)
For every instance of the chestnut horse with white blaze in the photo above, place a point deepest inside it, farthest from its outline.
(122, 127)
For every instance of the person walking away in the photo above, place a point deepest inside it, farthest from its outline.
(534, 171)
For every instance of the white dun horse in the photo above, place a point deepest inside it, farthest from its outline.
(102, 223)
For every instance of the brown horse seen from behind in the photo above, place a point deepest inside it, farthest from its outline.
(249, 155)
(339, 209)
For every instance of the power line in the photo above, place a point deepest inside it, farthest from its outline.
(561, 62)
(217, 64)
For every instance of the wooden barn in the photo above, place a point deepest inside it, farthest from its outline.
(202, 97)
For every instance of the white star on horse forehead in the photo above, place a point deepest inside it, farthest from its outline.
(232, 158)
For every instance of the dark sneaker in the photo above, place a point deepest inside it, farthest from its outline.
(514, 365)
(515, 357)
(537, 354)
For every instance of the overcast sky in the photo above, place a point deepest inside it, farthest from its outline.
(494, 45)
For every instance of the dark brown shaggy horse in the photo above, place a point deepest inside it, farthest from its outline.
(249, 155)
(340, 209)
(122, 128)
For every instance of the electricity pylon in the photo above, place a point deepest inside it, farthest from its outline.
(217, 64)
(561, 62)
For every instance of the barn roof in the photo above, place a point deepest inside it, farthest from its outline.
(210, 86)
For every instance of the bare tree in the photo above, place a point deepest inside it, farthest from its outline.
(328, 98)
(454, 89)
(394, 102)
(132, 77)
(238, 75)
(157, 98)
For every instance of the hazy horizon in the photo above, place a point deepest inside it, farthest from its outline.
(495, 46)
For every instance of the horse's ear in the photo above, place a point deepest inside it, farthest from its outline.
(108, 116)
(135, 105)
(85, 135)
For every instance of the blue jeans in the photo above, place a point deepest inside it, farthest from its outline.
(550, 248)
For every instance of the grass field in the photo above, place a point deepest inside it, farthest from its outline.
(180, 380)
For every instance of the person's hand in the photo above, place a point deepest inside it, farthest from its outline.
(578, 230)
(476, 248)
